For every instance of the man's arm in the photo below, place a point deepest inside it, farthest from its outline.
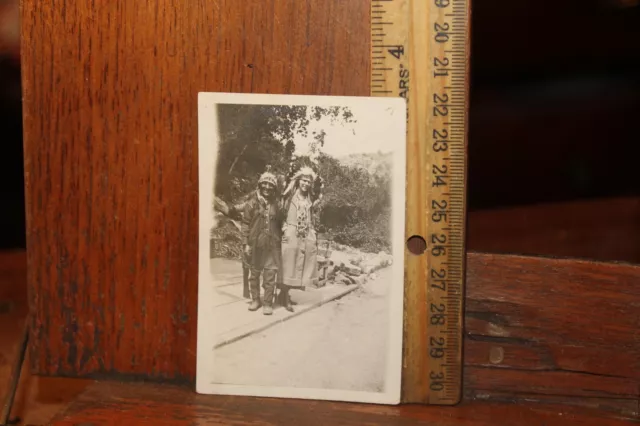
(247, 216)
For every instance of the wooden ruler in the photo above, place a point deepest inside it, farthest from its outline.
(420, 51)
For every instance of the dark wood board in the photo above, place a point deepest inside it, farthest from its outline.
(110, 114)
(136, 404)
(606, 229)
(111, 176)
(546, 341)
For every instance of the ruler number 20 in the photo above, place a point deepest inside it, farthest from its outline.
(442, 32)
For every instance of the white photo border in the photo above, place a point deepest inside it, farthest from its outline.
(208, 140)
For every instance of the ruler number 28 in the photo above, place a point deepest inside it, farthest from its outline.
(437, 314)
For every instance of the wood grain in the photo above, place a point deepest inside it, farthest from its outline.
(605, 229)
(548, 341)
(110, 135)
(552, 327)
(137, 404)
(432, 37)
(37, 399)
(110, 118)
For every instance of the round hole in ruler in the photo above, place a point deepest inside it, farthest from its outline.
(416, 244)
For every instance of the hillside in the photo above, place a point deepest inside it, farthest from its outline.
(377, 164)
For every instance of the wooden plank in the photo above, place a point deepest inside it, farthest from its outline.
(603, 229)
(133, 404)
(37, 399)
(110, 94)
(548, 341)
(531, 350)
(552, 327)
(110, 132)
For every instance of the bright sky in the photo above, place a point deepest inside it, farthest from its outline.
(371, 133)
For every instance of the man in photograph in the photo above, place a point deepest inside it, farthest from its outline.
(261, 237)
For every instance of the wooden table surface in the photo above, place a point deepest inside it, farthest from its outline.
(109, 91)
(547, 341)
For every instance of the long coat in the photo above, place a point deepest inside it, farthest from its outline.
(262, 232)
(299, 252)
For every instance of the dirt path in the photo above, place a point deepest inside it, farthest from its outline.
(340, 345)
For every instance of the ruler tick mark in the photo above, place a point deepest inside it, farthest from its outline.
(400, 16)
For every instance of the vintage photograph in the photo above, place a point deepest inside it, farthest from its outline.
(301, 251)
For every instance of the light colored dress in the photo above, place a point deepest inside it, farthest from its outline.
(299, 244)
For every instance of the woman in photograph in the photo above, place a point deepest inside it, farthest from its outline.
(299, 238)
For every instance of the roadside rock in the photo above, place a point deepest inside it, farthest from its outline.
(350, 265)
(357, 259)
(362, 279)
(344, 279)
(352, 270)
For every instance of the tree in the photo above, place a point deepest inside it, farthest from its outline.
(356, 207)
(254, 136)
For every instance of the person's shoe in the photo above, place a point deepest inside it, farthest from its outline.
(288, 307)
(267, 310)
(255, 305)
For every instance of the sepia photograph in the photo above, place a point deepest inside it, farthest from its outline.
(301, 246)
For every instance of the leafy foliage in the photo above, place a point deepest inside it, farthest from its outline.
(356, 205)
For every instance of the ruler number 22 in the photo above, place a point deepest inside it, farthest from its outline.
(441, 108)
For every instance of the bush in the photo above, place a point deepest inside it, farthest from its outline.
(226, 241)
(355, 209)
(370, 237)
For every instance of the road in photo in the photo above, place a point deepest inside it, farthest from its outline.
(339, 345)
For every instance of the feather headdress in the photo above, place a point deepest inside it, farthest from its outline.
(304, 171)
